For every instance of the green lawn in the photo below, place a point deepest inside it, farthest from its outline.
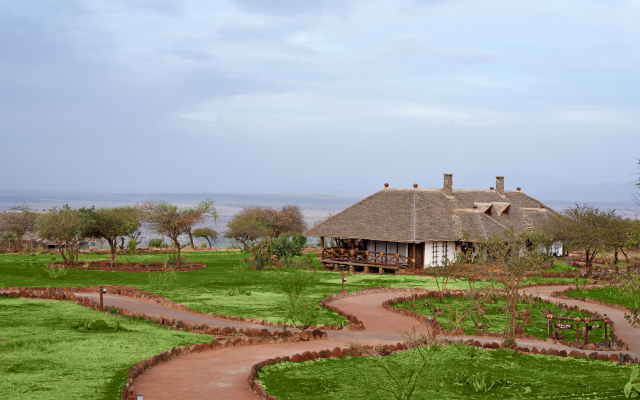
(526, 376)
(495, 320)
(608, 295)
(206, 290)
(45, 356)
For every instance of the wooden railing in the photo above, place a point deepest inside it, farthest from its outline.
(366, 257)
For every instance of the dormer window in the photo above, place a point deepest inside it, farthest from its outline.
(484, 207)
(501, 208)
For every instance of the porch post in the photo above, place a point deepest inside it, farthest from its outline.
(322, 245)
(414, 257)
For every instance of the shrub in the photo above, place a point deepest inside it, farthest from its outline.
(132, 244)
(155, 243)
(203, 245)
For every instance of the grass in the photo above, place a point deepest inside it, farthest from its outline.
(527, 376)
(205, 290)
(45, 356)
(561, 266)
(497, 321)
(609, 295)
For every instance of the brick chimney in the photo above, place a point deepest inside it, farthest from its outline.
(500, 185)
(448, 184)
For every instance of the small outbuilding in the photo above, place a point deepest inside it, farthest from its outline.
(400, 229)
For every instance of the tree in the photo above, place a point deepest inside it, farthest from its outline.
(113, 223)
(253, 224)
(206, 233)
(513, 255)
(66, 227)
(18, 220)
(285, 247)
(169, 220)
(586, 228)
(246, 229)
(204, 210)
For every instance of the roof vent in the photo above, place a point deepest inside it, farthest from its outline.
(386, 185)
(518, 188)
(541, 205)
(491, 188)
(475, 206)
(415, 185)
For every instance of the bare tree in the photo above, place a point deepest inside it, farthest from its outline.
(513, 256)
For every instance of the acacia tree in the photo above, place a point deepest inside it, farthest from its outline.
(113, 223)
(207, 233)
(586, 228)
(246, 230)
(254, 224)
(200, 213)
(169, 220)
(514, 255)
(66, 227)
(18, 220)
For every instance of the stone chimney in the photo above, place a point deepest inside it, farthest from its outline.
(448, 184)
(500, 185)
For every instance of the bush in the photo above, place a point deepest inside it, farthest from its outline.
(156, 243)
(285, 247)
(132, 245)
(203, 245)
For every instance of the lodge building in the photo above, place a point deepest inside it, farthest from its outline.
(400, 229)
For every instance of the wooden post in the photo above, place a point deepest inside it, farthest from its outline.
(322, 245)
(101, 298)
(414, 257)
(397, 260)
(586, 330)
(605, 319)
(577, 321)
(550, 326)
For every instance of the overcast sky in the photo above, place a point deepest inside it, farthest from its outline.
(324, 95)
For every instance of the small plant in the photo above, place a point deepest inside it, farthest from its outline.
(632, 389)
(97, 325)
(56, 273)
(39, 250)
(31, 264)
(478, 382)
(203, 245)
(132, 245)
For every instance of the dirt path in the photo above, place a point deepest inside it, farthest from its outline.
(222, 374)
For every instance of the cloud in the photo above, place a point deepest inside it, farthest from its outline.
(295, 7)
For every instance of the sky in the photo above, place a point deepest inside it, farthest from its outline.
(323, 96)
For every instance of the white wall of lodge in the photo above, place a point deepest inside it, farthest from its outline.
(436, 252)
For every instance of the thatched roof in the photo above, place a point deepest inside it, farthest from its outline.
(421, 215)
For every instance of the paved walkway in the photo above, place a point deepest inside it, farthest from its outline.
(222, 374)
